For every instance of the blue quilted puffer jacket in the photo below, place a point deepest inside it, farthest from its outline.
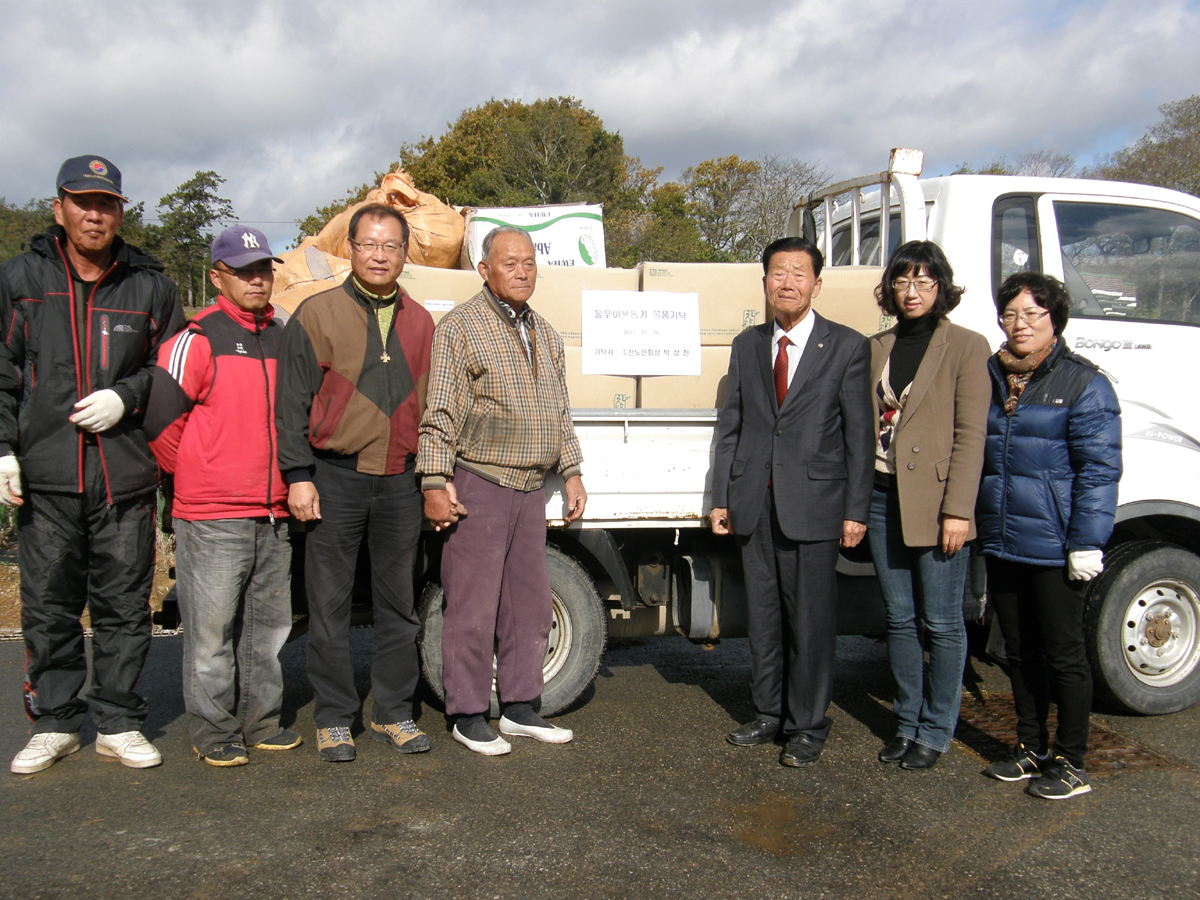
(1050, 470)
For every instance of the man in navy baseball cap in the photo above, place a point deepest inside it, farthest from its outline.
(84, 174)
(87, 312)
(211, 423)
(239, 246)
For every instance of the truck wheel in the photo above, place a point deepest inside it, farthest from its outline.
(578, 636)
(1143, 628)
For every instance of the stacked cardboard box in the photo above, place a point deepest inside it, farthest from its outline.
(703, 391)
(597, 391)
(731, 294)
(439, 290)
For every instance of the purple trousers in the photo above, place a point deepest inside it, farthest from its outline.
(497, 596)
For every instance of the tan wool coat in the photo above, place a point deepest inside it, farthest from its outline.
(939, 441)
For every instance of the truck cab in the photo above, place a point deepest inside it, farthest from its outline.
(1129, 256)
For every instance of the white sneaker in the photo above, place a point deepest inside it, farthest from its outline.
(547, 733)
(131, 748)
(497, 746)
(43, 751)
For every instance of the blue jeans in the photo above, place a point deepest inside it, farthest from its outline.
(235, 599)
(923, 592)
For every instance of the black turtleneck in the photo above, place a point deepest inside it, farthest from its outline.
(912, 339)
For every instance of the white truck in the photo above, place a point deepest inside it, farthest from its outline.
(643, 562)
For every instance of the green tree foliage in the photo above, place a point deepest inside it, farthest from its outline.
(186, 215)
(19, 223)
(1167, 155)
(662, 230)
(718, 192)
(509, 153)
(137, 231)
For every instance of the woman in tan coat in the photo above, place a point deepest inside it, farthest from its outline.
(931, 400)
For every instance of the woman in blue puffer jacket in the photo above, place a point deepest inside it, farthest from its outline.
(1045, 509)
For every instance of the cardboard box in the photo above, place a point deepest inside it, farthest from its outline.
(597, 391)
(848, 296)
(569, 235)
(731, 294)
(703, 391)
(439, 290)
(558, 296)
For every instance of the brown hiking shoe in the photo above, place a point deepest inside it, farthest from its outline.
(405, 736)
(334, 744)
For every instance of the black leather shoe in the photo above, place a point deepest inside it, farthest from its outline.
(920, 757)
(801, 750)
(893, 751)
(760, 731)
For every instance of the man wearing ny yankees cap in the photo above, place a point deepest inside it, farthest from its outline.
(211, 424)
(82, 315)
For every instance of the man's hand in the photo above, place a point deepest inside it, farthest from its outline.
(99, 411)
(304, 502)
(10, 481)
(719, 519)
(954, 534)
(576, 498)
(442, 508)
(852, 533)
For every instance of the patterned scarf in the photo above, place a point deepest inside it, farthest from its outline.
(1018, 371)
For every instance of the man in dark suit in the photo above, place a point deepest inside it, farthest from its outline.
(792, 480)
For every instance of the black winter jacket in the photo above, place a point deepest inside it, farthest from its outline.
(46, 366)
(1050, 470)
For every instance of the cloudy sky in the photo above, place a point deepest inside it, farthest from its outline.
(296, 102)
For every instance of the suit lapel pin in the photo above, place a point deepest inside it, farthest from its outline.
(820, 346)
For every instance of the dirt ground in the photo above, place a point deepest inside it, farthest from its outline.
(10, 584)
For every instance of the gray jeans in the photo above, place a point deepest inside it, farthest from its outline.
(234, 586)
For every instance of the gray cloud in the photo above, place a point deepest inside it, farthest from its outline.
(295, 103)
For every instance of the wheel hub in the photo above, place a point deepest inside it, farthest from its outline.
(1158, 630)
(1161, 633)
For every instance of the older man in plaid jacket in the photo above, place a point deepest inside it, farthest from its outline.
(497, 419)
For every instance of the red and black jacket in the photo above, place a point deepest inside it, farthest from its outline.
(211, 419)
(47, 364)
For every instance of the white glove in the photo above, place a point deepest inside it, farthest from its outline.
(99, 411)
(10, 481)
(1084, 565)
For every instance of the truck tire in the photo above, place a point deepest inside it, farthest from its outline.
(1143, 628)
(578, 636)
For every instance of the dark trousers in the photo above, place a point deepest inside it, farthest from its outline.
(76, 551)
(791, 597)
(1041, 617)
(497, 596)
(386, 510)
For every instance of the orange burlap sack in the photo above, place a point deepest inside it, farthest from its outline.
(435, 229)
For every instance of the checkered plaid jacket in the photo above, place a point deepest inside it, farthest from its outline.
(492, 408)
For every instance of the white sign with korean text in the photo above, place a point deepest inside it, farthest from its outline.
(641, 333)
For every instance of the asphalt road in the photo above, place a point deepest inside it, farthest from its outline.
(649, 801)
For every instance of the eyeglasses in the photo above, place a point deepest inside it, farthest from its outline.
(1029, 316)
(923, 285)
(370, 247)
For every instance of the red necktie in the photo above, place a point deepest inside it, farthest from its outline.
(781, 370)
